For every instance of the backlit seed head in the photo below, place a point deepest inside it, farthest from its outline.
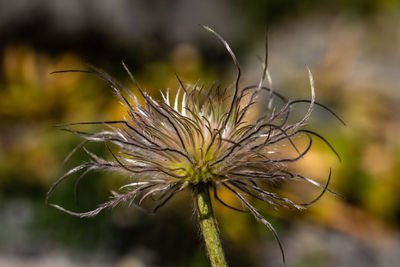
(215, 136)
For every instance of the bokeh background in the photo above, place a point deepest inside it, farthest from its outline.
(353, 50)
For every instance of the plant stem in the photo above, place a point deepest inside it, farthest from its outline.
(209, 225)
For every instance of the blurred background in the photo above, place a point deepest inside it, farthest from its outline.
(353, 50)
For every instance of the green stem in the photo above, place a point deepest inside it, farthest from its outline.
(209, 225)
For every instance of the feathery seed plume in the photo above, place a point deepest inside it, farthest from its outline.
(200, 138)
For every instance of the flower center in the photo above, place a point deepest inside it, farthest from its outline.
(200, 174)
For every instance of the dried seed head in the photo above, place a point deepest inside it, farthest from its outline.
(199, 136)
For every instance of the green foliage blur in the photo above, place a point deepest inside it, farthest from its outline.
(352, 49)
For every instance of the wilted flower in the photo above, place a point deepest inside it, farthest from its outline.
(199, 139)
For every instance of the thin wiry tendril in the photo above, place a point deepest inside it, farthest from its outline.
(260, 218)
